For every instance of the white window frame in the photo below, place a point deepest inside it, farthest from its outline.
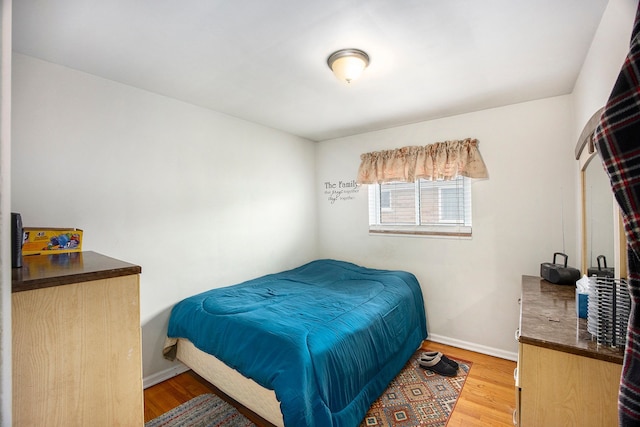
(461, 227)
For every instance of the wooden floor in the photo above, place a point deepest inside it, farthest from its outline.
(487, 399)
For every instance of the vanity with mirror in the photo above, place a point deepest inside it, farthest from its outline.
(563, 375)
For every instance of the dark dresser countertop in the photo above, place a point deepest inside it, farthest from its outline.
(43, 271)
(548, 319)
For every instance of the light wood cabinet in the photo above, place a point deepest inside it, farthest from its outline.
(563, 377)
(559, 388)
(76, 342)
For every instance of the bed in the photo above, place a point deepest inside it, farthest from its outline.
(311, 346)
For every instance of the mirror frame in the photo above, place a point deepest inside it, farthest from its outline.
(584, 157)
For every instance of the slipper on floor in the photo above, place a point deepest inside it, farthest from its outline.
(437, 365)
(444, 358)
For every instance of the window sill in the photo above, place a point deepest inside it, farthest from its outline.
(459, 232)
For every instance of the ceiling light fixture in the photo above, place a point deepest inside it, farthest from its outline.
(348, 64)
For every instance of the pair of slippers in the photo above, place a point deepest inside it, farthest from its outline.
(439, 363)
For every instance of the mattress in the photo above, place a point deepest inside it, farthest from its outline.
(250, 394)
(326, 337)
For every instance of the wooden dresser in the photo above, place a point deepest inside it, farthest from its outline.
(76, 341)
(563, 376)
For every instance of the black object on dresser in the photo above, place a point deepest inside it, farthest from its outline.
(559, 274)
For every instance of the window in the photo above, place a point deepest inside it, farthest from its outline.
(438, 208)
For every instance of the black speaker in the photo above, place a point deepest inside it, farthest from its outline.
(16, 240)
(558, 273)
(600, 270)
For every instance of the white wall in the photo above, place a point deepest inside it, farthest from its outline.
(471, 287)
(604, 60)
(197, 198)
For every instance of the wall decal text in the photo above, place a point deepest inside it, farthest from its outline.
(341, 190)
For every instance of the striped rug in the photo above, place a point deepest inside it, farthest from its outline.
(202, 411)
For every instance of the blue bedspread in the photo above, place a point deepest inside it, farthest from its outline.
(327, 337)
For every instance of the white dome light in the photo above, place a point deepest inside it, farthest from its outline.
(348, 64)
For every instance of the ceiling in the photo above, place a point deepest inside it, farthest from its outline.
(265, 60)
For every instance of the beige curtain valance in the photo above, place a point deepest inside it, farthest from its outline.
(442, 160)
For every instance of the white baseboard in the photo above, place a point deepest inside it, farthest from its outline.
(158, 377)
(508, 355)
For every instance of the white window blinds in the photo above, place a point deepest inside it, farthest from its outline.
(440, 207)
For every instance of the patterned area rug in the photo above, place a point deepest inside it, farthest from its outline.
(416, 397)
(202, 411)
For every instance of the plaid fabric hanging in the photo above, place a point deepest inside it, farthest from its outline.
(617, 137)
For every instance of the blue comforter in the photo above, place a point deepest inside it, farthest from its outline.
(327, 337)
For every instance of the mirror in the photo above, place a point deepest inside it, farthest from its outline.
(598, 215)
(602, 232)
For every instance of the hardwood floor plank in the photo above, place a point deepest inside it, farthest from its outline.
(173, 392)
(487, 399)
